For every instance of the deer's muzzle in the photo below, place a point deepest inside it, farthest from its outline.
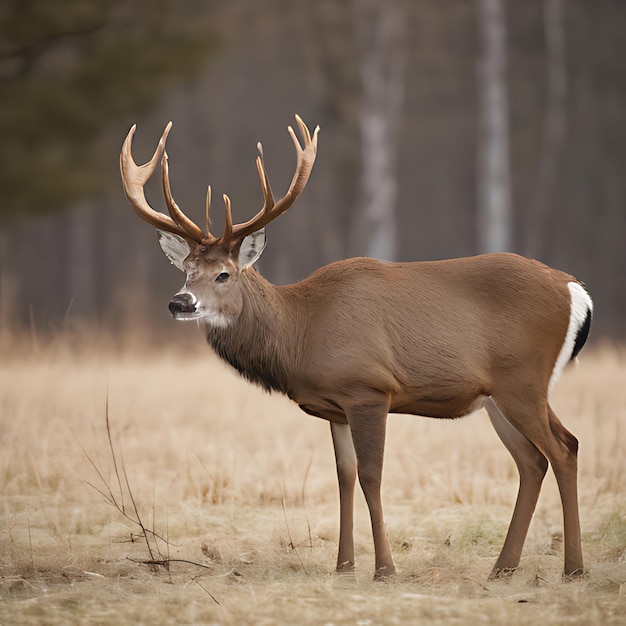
(182, 304)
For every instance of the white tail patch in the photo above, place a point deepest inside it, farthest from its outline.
(581, 305)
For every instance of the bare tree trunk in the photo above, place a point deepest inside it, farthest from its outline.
(554, 125)
(8, 286)
(381, 35)
(494, 170)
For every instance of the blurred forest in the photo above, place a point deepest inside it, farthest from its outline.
(447, 129)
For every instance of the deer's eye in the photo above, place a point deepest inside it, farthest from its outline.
(222, 277)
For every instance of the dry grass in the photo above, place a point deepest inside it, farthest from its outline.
(242, 485)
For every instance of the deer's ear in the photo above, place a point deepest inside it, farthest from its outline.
(251, 248)
(176, 248)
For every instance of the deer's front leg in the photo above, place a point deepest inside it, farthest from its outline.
(345, 457)
(368, 424)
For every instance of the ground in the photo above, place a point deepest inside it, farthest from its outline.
(240, 489)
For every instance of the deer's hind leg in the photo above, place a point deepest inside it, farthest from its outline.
(564, 461)
(532, 466)
(547, 439)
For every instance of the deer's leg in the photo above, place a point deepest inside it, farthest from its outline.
(560, 447)
(345, 457)
(368, 425)
(532, 466)
(564, 460)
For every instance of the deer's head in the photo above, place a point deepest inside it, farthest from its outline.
(213, 265)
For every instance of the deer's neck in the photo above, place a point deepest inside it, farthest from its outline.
(262, 343)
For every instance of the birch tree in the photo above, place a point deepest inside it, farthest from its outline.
(494, 171)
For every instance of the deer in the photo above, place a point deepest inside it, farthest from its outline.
(360, 339)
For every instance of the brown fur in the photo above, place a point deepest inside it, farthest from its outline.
(361, 338)
(361, 323)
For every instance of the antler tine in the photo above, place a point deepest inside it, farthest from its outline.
(228, 221)
(207, 206)
(305, 158)
(190, 228)
(304, 130)
(266, 188)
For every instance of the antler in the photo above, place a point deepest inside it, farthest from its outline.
(271, 210)
(134, 177)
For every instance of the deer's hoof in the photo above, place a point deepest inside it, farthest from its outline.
(384, 573)
(576, 574)
(501, 573)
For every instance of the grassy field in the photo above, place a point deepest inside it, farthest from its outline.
(239, 488)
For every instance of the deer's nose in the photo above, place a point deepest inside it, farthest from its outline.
(183, 302)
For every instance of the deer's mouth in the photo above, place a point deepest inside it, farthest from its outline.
(211, 318)
(187, 317)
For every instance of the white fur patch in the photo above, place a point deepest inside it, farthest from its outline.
(580, 305)
(217, 320)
